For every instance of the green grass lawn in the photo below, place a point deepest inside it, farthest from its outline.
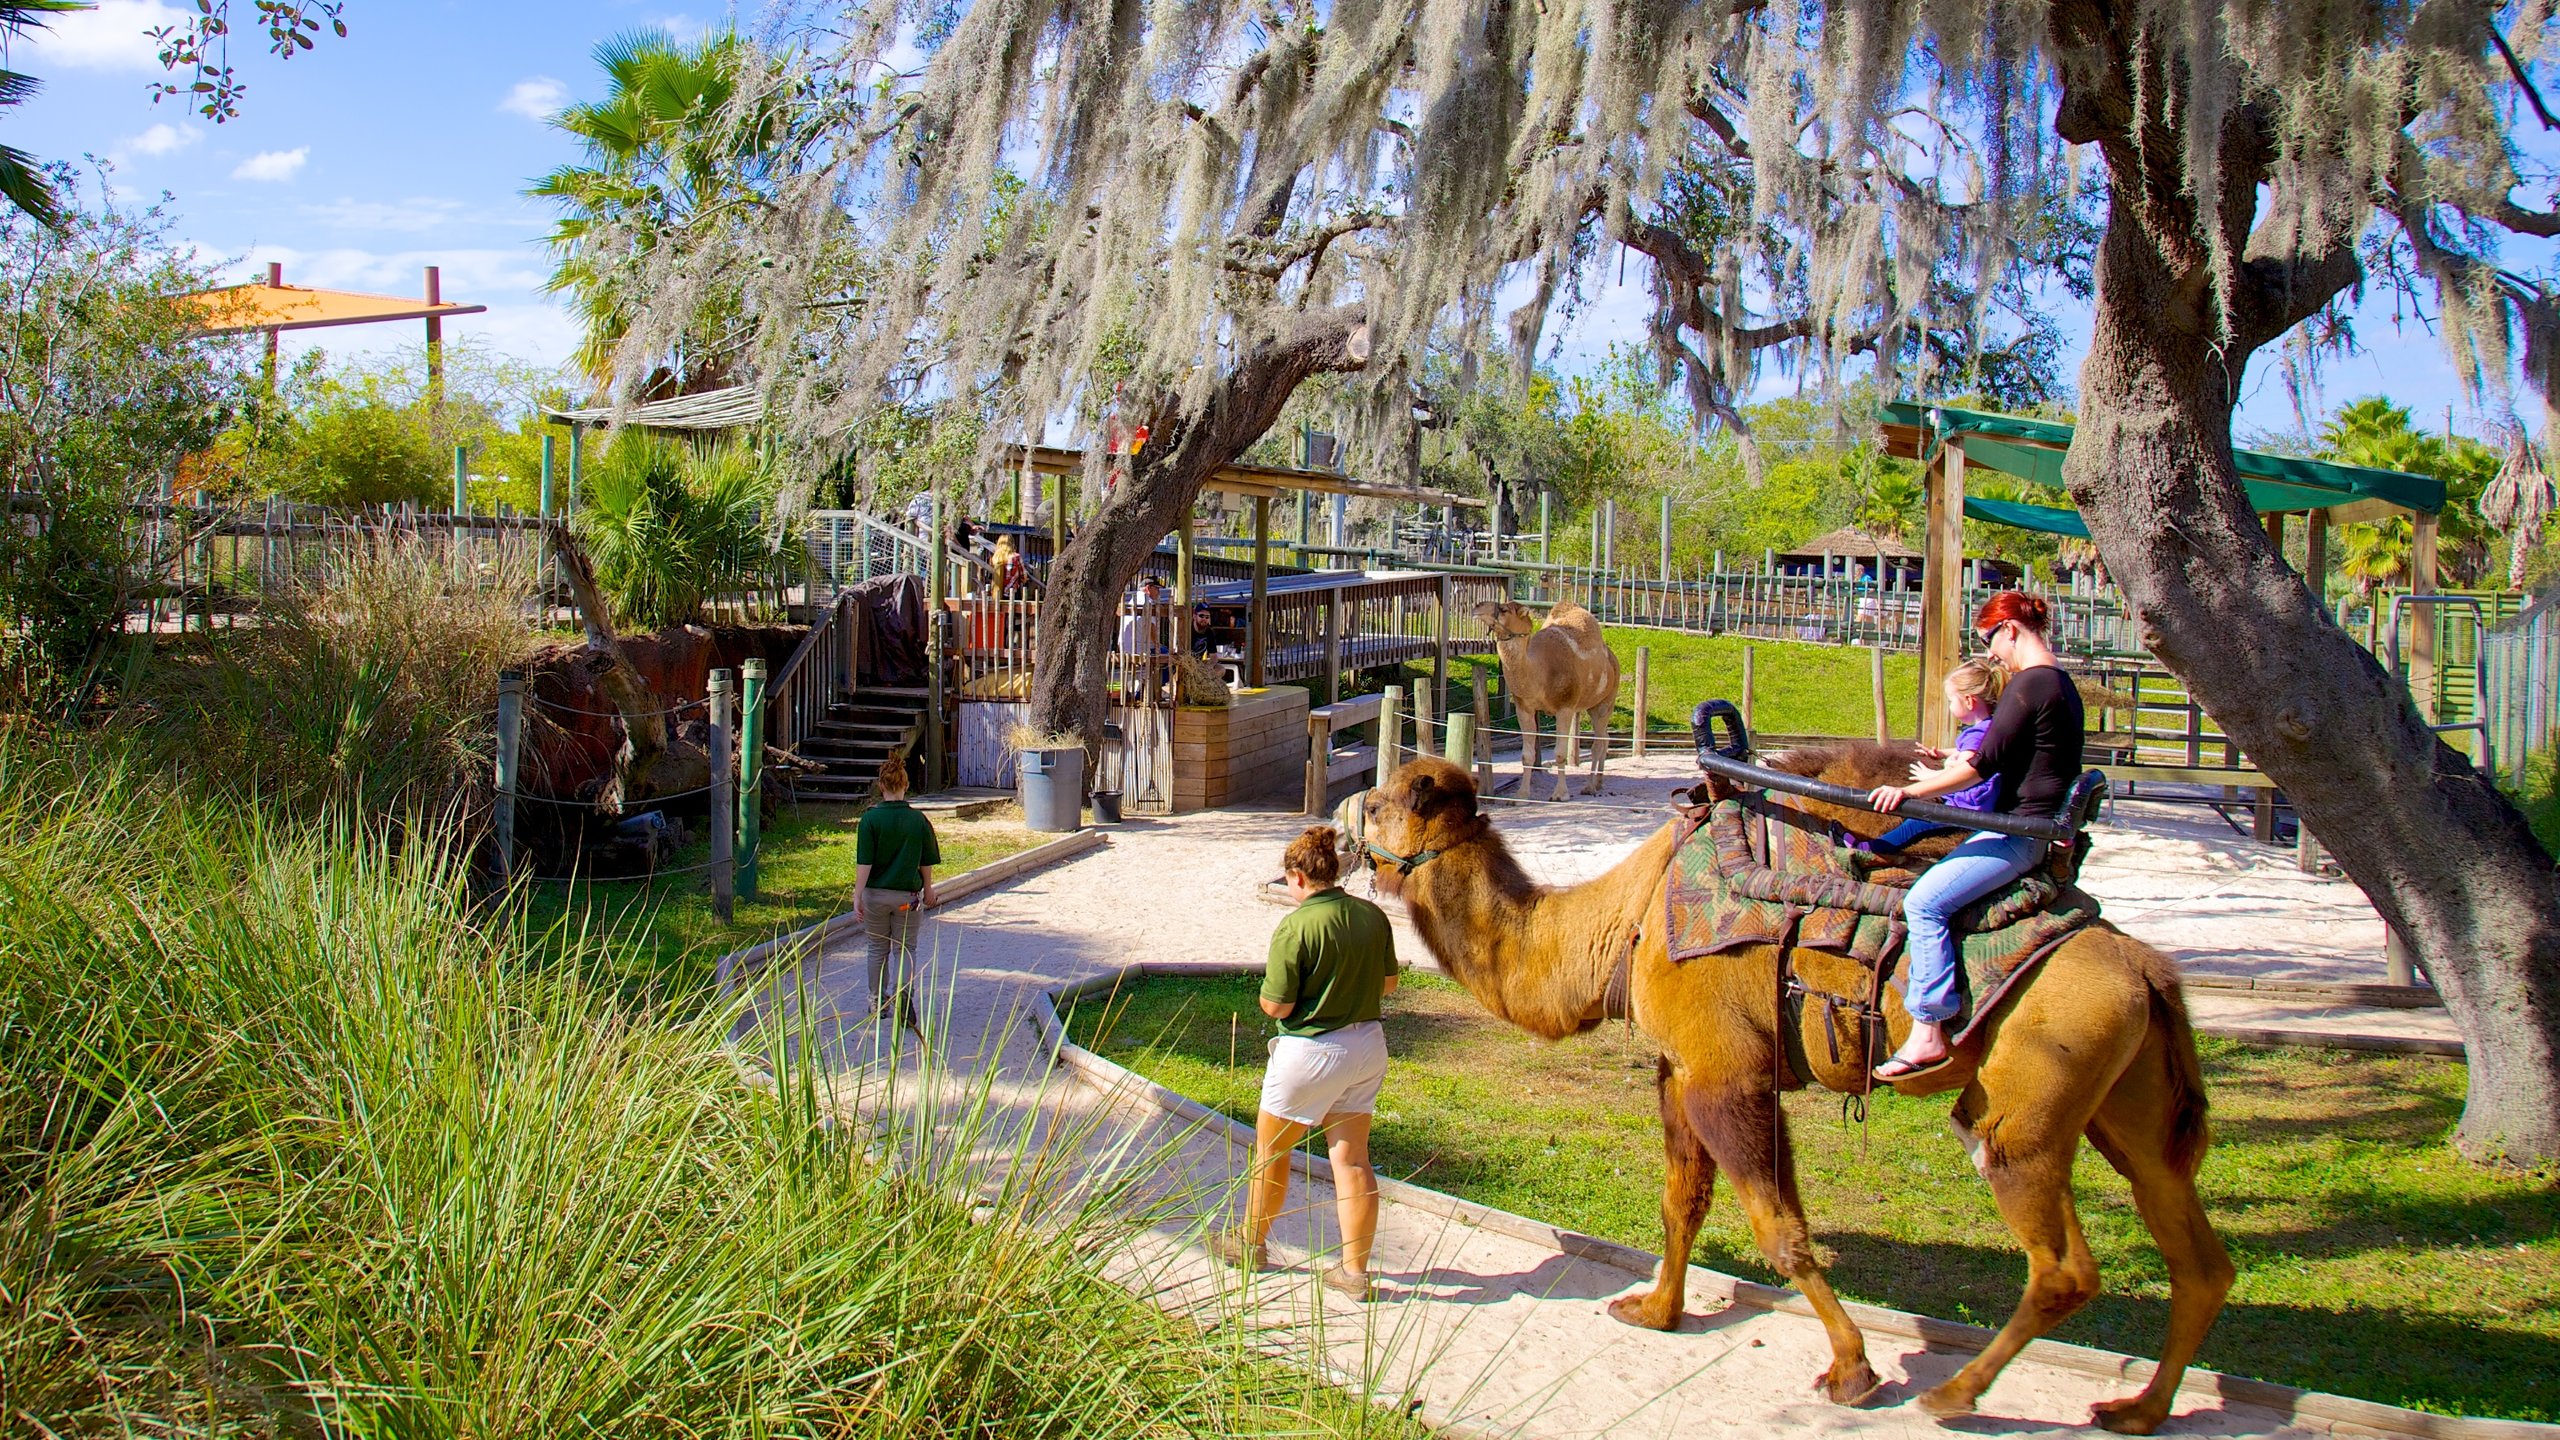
(664, 937)
(1797, 689)
(2373, 1261)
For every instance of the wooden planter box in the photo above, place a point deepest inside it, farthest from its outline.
(1252, 749)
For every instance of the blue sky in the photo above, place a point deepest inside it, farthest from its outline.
(408, 144)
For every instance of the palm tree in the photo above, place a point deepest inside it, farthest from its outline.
(661, 148)
(669, 529)
(22, 179)
(2518, 502)
(2374, 432)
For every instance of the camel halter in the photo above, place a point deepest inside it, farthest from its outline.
(1405, 864)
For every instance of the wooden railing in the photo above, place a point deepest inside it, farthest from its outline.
(818, 673)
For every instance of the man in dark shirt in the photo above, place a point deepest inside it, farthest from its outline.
(894, 852)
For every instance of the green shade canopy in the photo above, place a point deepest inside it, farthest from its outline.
(2045, 518)
(2032, 450)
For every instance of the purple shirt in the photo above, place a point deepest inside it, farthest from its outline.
(1978, 795)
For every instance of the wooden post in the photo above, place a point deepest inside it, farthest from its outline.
(1546, 528)
(723, 811)
(549, 506)
(1941, 588)
(435, 343)
(1183, 596)
(1390, 731)
(1750, 720)
(1057, 519)
(1644, 690)
(1459, 747)
(1665, 571)
(461, 480)
(2422, 618)
(1424, 712)
(1319, 783)
(1440, 646)
(750, 776)
(510, 770)
(933, 624)
(2315, 562)
(1875, 670)
(1257, 641)
(1333, 645)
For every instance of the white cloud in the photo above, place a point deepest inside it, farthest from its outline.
(273, 166)
(415, 215)
(538, 97)
(682, 27)
(155, 142)
(115, 36)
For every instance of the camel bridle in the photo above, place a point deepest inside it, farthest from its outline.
(1405, 864)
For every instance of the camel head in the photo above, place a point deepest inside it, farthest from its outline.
(1858, 764)
(1428, 805)
(1507, 619)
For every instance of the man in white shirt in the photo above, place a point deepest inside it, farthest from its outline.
(1138, 624)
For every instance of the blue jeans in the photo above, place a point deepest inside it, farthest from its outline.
(1982, 864)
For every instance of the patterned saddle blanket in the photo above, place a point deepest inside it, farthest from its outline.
(1761, 870)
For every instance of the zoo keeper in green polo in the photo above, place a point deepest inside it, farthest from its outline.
(1332, 961)
(894, 852)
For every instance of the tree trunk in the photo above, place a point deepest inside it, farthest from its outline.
(2446, 859)
(1070, 666)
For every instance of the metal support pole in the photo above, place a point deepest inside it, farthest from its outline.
(1546, 528)
(510, 770)
(750, 776)
(1748, 722)
(933, 651)
(1184, 596)
(1257, 642)
(461, 480)
(577, 467)
(1875, 672)
(723, 805)
(1665, 571)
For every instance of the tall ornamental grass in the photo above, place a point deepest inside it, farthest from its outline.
(293, 1142)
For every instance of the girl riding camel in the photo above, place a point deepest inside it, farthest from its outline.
(2032, 753)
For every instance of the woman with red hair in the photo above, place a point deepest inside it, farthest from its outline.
(2033, 753)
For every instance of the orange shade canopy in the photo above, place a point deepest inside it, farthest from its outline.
(234, 309)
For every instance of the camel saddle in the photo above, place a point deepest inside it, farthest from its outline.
(1762, 870)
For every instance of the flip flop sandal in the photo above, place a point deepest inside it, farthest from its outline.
(1896, 1070)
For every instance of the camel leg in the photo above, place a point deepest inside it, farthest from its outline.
(1747, 1134)
(1688, 1179)
(1528, 751)
(2132, 1132)
(1564, 752)
(1599, 750)
(2025, 1150)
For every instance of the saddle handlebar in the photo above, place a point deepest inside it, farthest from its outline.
(1723, 760)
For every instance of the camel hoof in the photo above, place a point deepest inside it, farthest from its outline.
(1638, 1311)
(2128, 1417)
(1852, 1387)
(1948, 1399)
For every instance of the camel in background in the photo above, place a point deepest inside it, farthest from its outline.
(2094, 1042)
(1562, 668)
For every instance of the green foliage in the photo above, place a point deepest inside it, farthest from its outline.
(668, 528)
(300, 1139)
(105, 387)
(660, 150)
(2374, 432)
(370, 685)
(23, 182)
(2540, 798)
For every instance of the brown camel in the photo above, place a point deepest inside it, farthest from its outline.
(2094, 1042)
(1563, 668)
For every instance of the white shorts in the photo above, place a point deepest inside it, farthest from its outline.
(1310, 1077)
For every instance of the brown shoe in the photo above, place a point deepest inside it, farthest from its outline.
(1343, 1280)
(1232, 1247)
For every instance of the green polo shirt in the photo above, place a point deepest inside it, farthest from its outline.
(1331, 957)
(896, 841)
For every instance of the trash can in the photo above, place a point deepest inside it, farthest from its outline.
(1051, 784)
(1106, 807)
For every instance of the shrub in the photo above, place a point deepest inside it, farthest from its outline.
(371, 685)
(292, 1144)
(669, 529)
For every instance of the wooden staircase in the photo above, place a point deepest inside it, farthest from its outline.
(860, 731)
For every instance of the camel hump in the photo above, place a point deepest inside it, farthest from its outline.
(1572, 618)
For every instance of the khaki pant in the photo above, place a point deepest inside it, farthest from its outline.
(889, 918)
